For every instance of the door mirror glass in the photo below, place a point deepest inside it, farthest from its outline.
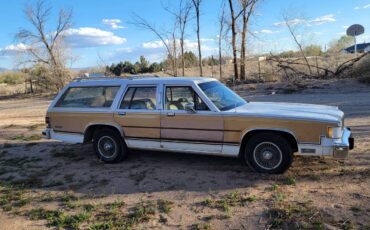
(190, 107)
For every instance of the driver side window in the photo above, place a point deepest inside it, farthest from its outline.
(178, 96)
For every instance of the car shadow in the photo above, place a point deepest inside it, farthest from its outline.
(56, 166)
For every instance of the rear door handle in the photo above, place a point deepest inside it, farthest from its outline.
(170, 114)
(121, 113)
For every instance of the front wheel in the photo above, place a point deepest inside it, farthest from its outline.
(268, 153)
(109, 146)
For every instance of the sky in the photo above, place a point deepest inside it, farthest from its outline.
(102, 32)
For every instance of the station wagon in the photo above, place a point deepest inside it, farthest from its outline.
(193, 115)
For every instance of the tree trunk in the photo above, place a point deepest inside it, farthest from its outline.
(242, 48)
(182, 55)
(220, 56)
(233, 40)
(220, 41)
(199, 45)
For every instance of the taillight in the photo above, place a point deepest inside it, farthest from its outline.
(47, 122)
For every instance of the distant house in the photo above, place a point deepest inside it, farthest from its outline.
(361, 48)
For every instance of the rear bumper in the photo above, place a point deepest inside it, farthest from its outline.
(74, 138)
(47, 133)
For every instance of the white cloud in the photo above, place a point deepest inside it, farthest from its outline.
(113, 23)
(156, 51)
(362, 7)
(91, 37)
(292, 22)
(188, 44)
(317, 21)
(13, 49)
(153, 44)
(323, 19)
(317, 33)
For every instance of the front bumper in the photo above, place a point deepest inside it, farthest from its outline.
(342, 146)
(336, 148)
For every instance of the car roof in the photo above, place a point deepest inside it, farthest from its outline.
(138, 80)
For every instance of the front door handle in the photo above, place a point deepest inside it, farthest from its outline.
(170, 114)
(121, 113)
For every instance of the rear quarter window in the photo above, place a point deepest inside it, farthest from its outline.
(88, 97)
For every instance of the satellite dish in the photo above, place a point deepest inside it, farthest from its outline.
(355, 30)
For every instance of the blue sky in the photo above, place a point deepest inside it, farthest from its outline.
(101, 32)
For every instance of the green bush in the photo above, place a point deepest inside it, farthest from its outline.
(12, 78)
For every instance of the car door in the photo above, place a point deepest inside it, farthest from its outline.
(200, 131)
(139, 116)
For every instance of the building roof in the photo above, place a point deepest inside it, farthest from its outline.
(360, 48)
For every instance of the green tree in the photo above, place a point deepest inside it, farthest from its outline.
(336, 46)
(313, 50)
(155, 67)
(190, 59)
(144, 64)
(287, 54)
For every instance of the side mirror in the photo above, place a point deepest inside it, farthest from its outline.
(190, 107)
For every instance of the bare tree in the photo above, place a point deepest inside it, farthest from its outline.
(233, 39)
(46, 46)
(163, 36)
(289, 25)
(220, 36)
(182, 16)
(196, 4)
(247, 10)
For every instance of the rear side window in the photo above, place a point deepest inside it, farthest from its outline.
(88, 97)
(140, 98)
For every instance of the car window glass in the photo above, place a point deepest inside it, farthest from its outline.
(88, 97)
(178, 96)
(140, 98)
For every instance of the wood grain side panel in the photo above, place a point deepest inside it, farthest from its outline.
(140, 125)
(304, 131)
(77, 121)
(192, 127)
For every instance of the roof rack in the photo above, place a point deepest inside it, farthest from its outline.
(86, 78)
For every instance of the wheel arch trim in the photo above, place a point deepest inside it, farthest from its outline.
(249, 131)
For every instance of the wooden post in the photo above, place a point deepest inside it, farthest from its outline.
(259, 69)
(317, 68)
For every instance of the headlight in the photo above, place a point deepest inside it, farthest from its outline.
(334, 132)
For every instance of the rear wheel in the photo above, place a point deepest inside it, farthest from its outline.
(268, 153)
(109, 146)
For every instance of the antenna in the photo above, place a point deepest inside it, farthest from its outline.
(354, 31)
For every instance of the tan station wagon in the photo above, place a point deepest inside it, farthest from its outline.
(193, 115)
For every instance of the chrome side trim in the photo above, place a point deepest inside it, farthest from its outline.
(143, 144)
(184, 147)
(230, 150)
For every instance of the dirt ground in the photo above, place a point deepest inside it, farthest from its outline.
(47, 184)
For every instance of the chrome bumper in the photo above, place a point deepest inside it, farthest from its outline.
(336, 148)
(47, 133)
(342, 146)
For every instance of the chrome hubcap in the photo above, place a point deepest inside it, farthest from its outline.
(107, 147)
(267, 155)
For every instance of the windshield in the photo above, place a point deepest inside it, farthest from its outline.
(223, 97)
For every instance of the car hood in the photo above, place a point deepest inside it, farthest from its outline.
(321, 113)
